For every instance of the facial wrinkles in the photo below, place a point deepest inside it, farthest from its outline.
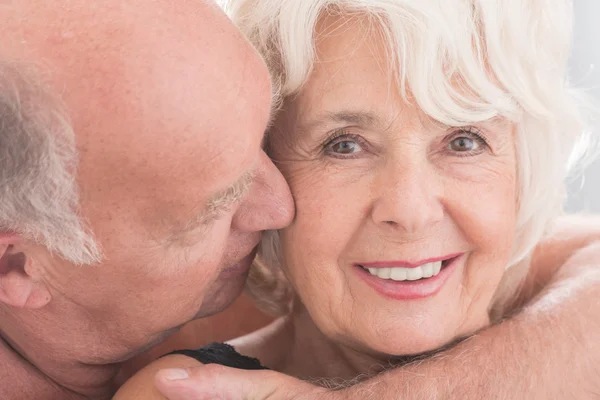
(408, 139)
(217, 206)
(415, 141)
(227, 158)
(291, 154)
(304, 174)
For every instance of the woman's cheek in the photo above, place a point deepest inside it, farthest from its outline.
(318, 201)
(329, 210)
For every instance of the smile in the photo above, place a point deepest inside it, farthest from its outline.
(404, 280)
(423, 271)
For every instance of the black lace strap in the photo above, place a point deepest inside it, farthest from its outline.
(223, 354)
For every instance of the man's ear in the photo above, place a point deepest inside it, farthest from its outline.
(17, 287)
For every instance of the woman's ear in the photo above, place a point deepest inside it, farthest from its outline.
(17, 287)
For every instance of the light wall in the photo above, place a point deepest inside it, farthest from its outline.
(584, 192)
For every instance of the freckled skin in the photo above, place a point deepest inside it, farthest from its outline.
(406, 191)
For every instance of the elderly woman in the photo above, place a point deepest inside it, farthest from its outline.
(426, 144)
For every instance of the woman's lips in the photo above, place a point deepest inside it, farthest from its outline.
(405, 288)
(408, 264)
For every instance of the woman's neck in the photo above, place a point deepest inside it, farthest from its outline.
(295, 346)
(314, 356)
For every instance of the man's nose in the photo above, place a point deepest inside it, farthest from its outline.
(269, 204)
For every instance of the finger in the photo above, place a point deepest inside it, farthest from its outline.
(218, 382)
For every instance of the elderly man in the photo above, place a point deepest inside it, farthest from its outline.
(135, 190)
(134, 187)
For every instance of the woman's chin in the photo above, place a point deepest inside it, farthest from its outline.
(412, 348)
(415, 344)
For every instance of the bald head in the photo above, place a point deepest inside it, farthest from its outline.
(130, 74)
(133, 73)
(112, 48)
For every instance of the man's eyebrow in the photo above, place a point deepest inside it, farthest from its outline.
(214, 207)
(224, 199)
(360, 118)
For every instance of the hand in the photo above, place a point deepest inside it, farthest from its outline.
(209, 382)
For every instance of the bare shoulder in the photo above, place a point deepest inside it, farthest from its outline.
(141, 385)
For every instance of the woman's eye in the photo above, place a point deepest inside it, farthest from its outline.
(467, 142)
(463, 144)
(345, 147)
(342, 144)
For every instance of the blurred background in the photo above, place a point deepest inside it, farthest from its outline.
(584, 191)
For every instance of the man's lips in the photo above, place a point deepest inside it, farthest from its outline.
(241, 266)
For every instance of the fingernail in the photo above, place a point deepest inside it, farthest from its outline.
(175, 374)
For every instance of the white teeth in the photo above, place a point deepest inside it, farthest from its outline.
(414, 273)
(384, 273)
(408, 274)
(398, 274)
(427, 270)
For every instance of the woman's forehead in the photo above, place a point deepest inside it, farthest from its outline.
(356, 93)
(356, 64)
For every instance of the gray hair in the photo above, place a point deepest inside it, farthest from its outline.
(38, 161)
(510, 63)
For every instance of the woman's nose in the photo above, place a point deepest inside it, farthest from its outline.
(408, 198)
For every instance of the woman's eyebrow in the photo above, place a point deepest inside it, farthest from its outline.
(360, 118)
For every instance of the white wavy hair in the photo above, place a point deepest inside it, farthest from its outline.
(38, 160)
(462, 62)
